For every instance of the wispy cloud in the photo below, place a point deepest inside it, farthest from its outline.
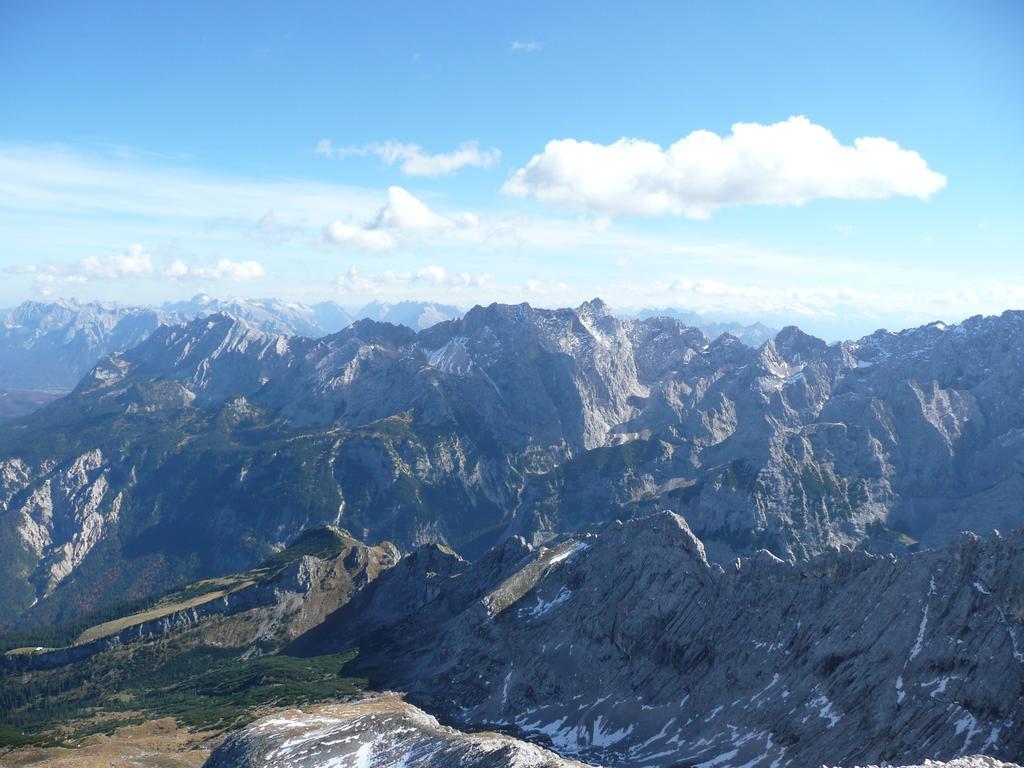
(413, 161)
(56, 180)
(821, 302)
(524, 46)
(222, 269)
(134, 263)
(360, 283)
(786, 163)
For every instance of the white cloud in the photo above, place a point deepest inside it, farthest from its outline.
(177, 268)
(844, 229)
(407, 213)
(435, 275)
(361, 238)
(355, 281)
(544, 289)
(222, 269)
(133, 262)
(786, 163)
(402, 219)
(818, 304)
(524, 46)
(413, 161)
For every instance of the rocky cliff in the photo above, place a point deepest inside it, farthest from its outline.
(631, 648)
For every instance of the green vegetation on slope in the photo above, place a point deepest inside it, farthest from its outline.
(204, 687)
(189, 675)
(318, 542)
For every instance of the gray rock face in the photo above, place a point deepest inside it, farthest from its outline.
(631, 648)
(378, 732)
(515, 421)
(801, 446)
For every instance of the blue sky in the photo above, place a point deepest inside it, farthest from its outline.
(148, 151)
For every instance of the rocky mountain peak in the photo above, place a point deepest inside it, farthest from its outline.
(795, 346)
(663, 528)
(595, 307)
(378, 332)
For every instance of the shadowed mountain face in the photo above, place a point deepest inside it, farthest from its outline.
(631, 648)
(210, 444)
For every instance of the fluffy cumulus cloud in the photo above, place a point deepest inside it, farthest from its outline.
(413, 161)
(133, 262)
(402, 219)
(361, 238)
(786, 163)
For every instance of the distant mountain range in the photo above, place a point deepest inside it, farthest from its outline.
(48, 347)
(412, 314)
(753, 335)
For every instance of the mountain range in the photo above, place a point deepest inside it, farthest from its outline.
(46, 347)
(211, 443)
(616, 538)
